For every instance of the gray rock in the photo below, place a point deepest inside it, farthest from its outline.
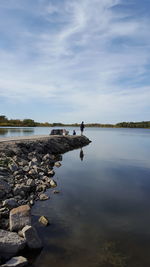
(18, 177)
(34, 160)
(16, 262)
(10, 203)
(23, 162)
(16, 173)
(26, 168)
(31, 202)
(51, 173)
(22, 202)
(41, 174)
(32, 172)
(19, 217)
(31, 236)
(10, 243)
(35, 168)
(43, 197)
(45, 157)
(4, 223)
(5, 188)
(4, 213)
(41, 188)
(43, 220)
(44, 178)
(21, 187)
(3, 170)
(32, 163)
(56, 191)
(57, 164)
(53, 183)
(30, 182)
(2, 209)
(13, 167)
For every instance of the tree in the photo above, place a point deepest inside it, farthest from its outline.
(29, 123)
(3, 118)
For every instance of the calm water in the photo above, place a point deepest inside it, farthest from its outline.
(101, 218)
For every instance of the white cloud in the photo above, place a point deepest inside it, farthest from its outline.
(86, 55)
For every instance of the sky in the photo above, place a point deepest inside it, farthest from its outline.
(75, 60)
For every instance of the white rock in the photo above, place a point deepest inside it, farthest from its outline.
(53, 183)
(16, 262)
(34, 159)
(57, 164)
(31, 236)
(51, 172)
(32, 172)
(43, 220)
(43, 197)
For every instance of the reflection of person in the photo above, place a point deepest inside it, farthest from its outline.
(81, 154)
(74, 132)
(82, 127)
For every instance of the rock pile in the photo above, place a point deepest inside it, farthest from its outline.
(25, 180)
(26, 171)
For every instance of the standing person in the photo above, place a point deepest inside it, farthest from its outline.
(82, 127)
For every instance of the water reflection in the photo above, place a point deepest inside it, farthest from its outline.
(102, 217)
(3, 132)
(81, 154)
(8, 132)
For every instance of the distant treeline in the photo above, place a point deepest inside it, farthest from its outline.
(4, 121)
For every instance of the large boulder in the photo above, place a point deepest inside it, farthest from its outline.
(19, 217)
(16, 262)
(31, 236)
(10, 243)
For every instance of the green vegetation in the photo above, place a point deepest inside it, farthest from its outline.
(143, 124)
(4, 121)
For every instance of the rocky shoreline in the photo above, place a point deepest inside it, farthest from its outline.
(26, 171)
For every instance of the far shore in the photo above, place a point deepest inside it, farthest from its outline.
(5, 122)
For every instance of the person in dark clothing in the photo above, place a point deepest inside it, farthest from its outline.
(74, 132)
(82, 127)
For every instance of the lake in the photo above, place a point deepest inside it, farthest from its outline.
(101, 217)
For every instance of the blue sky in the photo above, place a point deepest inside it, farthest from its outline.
(68, 61)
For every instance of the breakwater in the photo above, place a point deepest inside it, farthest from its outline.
(26, 171)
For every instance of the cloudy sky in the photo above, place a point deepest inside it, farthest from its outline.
(74, 60)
